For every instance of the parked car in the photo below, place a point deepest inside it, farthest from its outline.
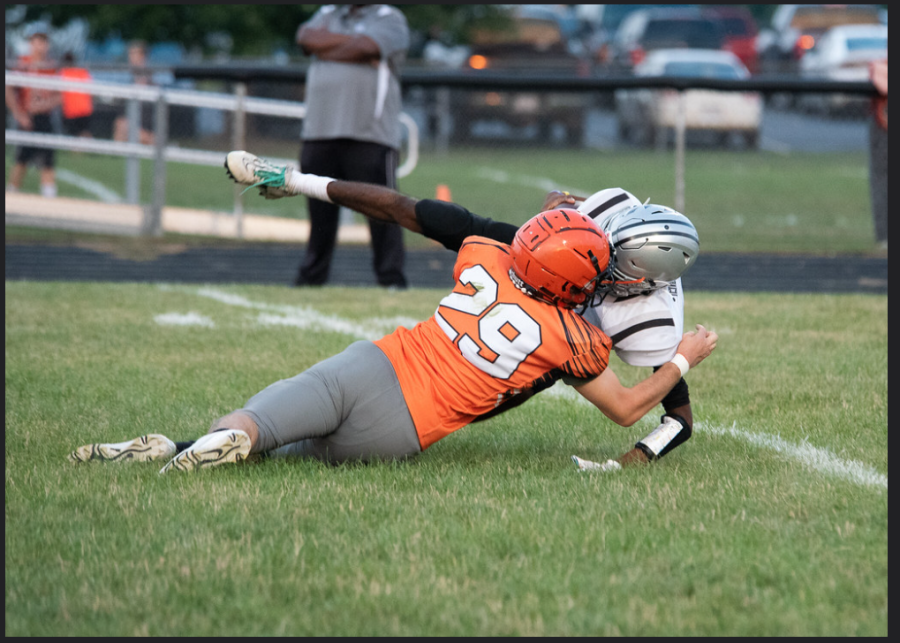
(572, 28)
(534, 44)
(843, 53)
(795, 28)
(739, 27)
(649, 29)
(605, 20)
(645, 114)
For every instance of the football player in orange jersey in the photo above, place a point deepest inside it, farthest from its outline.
(510, 321)
(642, 309)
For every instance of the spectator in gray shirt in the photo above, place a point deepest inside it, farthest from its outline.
(352, 130)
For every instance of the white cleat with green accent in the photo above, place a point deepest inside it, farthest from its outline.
(250, 170)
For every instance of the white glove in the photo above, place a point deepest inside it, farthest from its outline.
(587, 465)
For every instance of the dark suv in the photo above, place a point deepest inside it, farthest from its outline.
(651, 29)
(535, 44)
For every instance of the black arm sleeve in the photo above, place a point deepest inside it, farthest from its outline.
(449, 224)
(677, 397)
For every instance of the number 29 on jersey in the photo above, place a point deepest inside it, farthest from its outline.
(494, 336)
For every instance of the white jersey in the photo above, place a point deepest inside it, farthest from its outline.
(645, 329)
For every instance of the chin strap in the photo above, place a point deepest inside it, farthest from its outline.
(672, 431)
(540, 295)
(529, 290)
(608, 282)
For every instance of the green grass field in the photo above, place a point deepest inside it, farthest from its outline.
(771, 521)
(739, 201)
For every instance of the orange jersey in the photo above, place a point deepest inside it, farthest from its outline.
(35, 101)
(76, 104)
(486, 341)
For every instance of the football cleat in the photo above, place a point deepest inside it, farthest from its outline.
(250, 170)
(143, 449)
(212, 450)
(587, 465)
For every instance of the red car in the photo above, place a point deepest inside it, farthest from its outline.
(739, 27)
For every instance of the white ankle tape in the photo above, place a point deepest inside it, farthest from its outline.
(309, 184)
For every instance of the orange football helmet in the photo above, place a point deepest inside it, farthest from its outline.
(560, 256)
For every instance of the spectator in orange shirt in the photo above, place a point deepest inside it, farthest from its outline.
(32, 108)
(77, 107)
(878, 151)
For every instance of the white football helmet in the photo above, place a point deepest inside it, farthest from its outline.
(603, 205)
(653, 245)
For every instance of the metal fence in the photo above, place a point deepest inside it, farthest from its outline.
(230, 109)
(162, 151)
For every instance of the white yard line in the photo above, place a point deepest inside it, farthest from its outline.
(90, 186)
(305, 317)
(184, 319)
(542, 183)
(816, 458)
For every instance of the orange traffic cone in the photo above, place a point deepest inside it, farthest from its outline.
(442, 193)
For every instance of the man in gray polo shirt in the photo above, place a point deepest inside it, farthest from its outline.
(351, 130)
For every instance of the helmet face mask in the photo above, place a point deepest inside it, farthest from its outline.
(653, 245)
(560, 257)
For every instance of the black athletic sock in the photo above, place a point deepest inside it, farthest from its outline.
(181, 446)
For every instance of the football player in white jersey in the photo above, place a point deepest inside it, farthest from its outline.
(641, 310)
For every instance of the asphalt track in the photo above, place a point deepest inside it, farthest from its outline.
(276, 264)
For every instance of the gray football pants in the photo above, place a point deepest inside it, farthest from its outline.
(347, 407)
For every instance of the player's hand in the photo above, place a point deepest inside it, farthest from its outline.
(697, 345)
(24, 121)
(560, 199)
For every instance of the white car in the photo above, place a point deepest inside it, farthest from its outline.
(843, 54)
(646, 114)
(795, 29)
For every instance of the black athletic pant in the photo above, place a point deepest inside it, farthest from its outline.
(44, 157)
(350, 160)
(878, 180)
